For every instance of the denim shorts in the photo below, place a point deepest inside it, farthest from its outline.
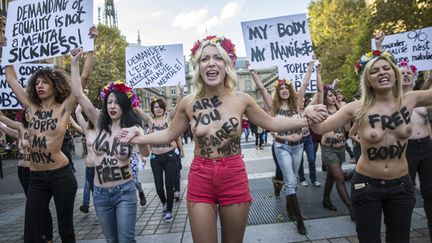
(218, 181)
(330, 155)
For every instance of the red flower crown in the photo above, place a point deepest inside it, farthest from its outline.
(225, 43)
(121, 88)
(280, 82)
(361, 63)
(403, 64)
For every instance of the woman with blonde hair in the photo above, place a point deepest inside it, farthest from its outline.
(381, 182)
(217, 181)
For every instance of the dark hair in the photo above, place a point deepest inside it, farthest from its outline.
(22, 118)
(58, 80)
(161, 104)
(128, 119)
(326, 91)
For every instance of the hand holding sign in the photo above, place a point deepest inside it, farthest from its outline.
(76, 54)
(93, 32)
(379, 38)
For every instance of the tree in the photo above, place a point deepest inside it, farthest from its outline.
(109, 60)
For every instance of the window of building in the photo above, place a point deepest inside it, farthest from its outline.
(248, 85)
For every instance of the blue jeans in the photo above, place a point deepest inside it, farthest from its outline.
(116, 209)
(88, 186)
(308, 147)
(246, 132)
(289, 158)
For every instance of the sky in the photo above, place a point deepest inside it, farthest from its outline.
(185, 21)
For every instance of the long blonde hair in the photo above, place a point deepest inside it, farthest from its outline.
(277, 101)
(230, 78)
(368, 94)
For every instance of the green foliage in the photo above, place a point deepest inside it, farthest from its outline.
(109, 60)
(341, 31)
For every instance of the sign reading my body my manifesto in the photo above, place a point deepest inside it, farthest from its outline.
(413, 46)
(8, 100)
(39, 29)
(284, 42)
(155, 66)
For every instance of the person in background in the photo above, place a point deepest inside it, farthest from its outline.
(180, 154)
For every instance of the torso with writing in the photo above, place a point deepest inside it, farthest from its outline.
(383, 133)
(24, 149)
(216, 125)
(159, 124)
(90, 139)
(111, 160)
(290, 135)
(336, 138)
(420, 122)
(46, 128)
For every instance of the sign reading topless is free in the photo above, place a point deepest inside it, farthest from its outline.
(284, 42)
(8, 100)
(155, 66)
(40, 29)
(413, 46)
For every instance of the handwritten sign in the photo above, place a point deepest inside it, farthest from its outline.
(8, 100)
(413, 46)
(39, 29)
(155, 66)
(283, 42)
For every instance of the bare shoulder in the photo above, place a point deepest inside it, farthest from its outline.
(243, 96)
(352, 107)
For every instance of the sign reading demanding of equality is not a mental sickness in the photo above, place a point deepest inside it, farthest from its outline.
(40, 29)
(284, 42)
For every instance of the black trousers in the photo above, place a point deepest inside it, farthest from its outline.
(177, 175)
(60, 184)
(372, 197)
(160, 163)
(419, 156)
(24, 178)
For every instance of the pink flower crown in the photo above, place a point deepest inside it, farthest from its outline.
(280, 82)
(403, 64)
(120, 87)
(361, 63)
(225, 43)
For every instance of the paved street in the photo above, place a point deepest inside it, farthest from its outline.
(268, 220)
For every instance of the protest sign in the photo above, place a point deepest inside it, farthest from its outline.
(40, 29)
(8, 100)
(413, 46)
(284, 42)
(155, 66)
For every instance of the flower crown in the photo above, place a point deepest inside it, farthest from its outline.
(280, 82)
(403, 64)
(361, 63)
(120, 87)
(225, 43)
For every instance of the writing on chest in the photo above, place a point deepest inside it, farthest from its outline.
(390, 122)
(42, 121)
(111, 148)
(205, 111)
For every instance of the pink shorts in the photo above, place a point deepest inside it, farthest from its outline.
(218, 181)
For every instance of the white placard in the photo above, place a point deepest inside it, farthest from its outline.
(155, 66)
(284, 42)
(413, 46)
(40, 29)
(8, 100)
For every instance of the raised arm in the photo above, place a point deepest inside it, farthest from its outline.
(76, 126)
(88, 65)
(337, 120)
(305, 82)
(9, 131)
(77, 90)
(146, 117)
(379, 38)
(80, 118)
(318, 98)
(263, 91)
(11, 124)
(179, 98)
